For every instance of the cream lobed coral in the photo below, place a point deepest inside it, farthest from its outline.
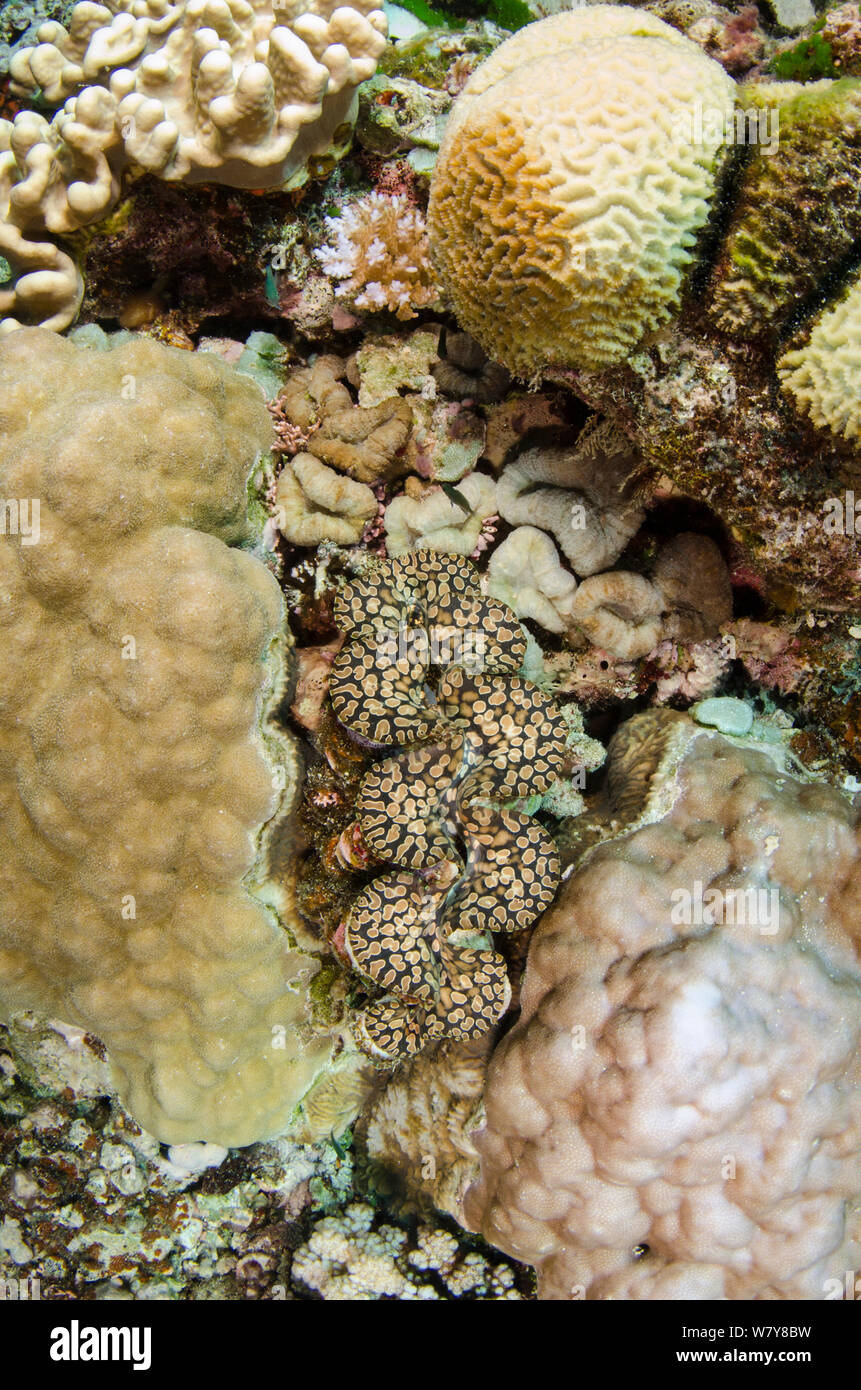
(426, 518)
(572, 183)
(656, 1127)
(313, 503)
(146, 860)
(824, 376)
(584, 496)
(526, 573)
(380, 256)
(241, 92)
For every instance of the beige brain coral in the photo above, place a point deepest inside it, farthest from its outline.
(677, 1113)
(143, 785)
(570, 186)
(824, 376)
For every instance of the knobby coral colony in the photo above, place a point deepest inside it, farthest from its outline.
(444, 808)
(699, 294)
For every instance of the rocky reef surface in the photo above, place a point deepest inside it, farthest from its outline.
(430, 709)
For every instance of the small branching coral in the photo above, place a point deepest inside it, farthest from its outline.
(445, 810)
(380, 255)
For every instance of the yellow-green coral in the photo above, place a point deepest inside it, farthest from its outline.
(797, 212)
(824, 376)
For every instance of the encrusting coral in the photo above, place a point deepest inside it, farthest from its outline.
(380, 256)
(241, 92)
(824, 376)
(424, 933)
(795, 214)
(145, 786)
(571, 185)
(656, 1126)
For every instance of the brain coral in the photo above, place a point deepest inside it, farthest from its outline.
(824, 376)
(143, 785)
(571, 185)
(677, 1114)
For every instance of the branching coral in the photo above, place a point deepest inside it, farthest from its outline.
(352, 1256)
(424, 933)
(590, 504)
(656, 1126)
(380, 255)
(549, 240)
(242, 92)
(146, 864)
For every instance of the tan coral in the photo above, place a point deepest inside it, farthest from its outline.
(240, 92)
(656, 1127)
(145, 785)
(619, 612)
(366, 442)
(694, 581)
(418, 1129)
(571, 185)
(313, 503)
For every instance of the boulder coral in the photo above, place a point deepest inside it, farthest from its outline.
(240, 92)
(657, 1127)
(572, 183)
(145, 785)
